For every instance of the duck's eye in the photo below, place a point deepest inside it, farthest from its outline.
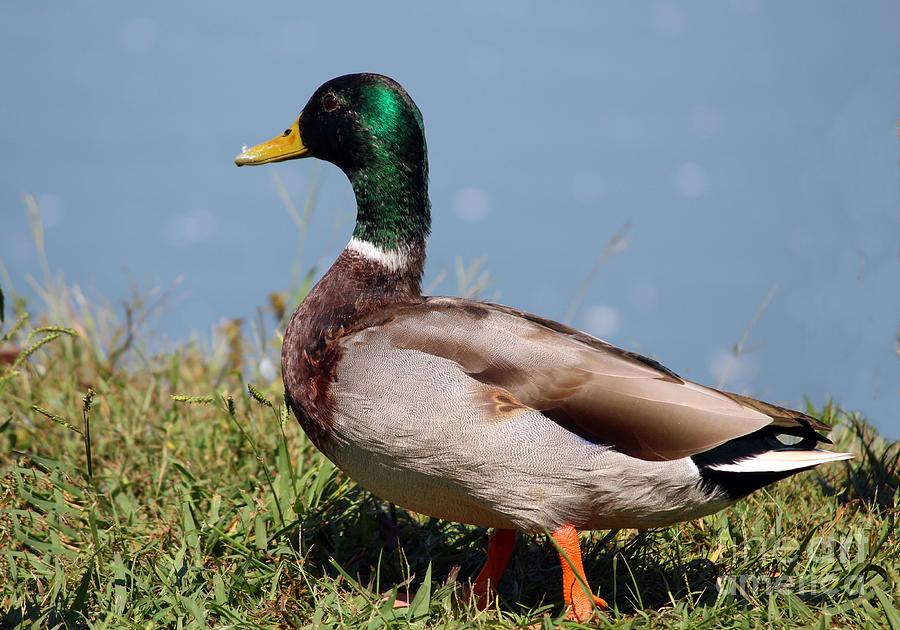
(329, 102)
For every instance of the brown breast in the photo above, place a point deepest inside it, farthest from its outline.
(347, 296)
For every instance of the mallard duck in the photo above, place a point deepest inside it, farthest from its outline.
(485, 414)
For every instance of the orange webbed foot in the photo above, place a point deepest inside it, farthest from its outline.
(500, 548)
(580, 602)
(583, 609)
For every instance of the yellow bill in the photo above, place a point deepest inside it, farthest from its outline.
(287, 146)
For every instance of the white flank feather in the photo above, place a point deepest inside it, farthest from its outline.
(781, 460)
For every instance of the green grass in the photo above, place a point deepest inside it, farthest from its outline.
(147, 487)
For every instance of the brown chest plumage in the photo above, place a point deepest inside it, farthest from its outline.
(353, 292)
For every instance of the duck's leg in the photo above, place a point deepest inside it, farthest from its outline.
(500, 548)
(580, 604)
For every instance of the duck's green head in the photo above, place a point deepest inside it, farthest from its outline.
(368, 126)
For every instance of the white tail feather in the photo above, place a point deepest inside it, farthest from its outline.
(781, 460)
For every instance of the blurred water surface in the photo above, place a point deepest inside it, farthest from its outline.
(748, 144)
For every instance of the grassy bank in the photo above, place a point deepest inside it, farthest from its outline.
(148, 488)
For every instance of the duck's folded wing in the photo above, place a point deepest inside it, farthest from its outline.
(604, 394)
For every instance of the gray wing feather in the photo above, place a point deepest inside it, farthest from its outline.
(589, 387)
